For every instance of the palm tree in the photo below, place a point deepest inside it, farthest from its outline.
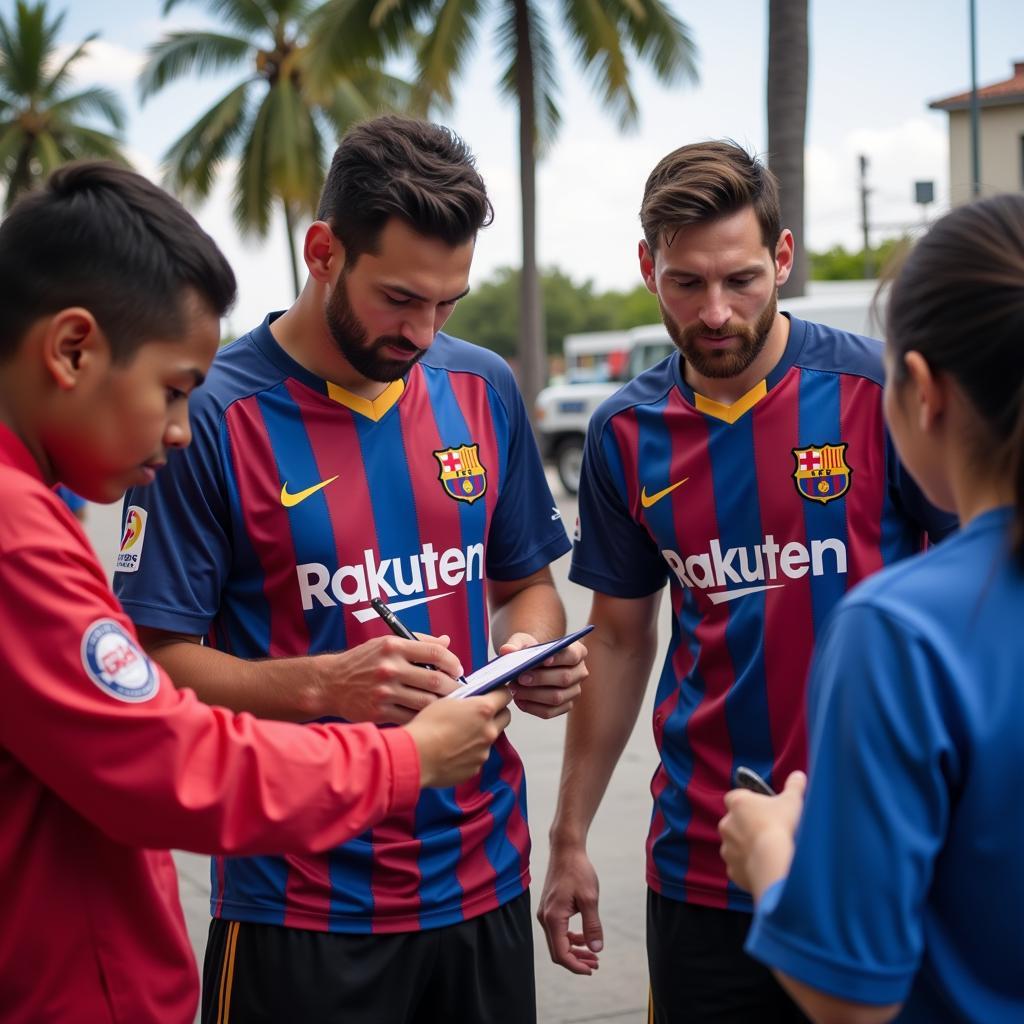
(604, 34)
(41, 122)
(276, 118)
(787, 122)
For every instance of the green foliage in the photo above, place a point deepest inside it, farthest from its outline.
(42, 124)
(279, 120)
(489, 315)
(839, 264)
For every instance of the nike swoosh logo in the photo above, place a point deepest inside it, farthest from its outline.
(291, 500)
(647, 500)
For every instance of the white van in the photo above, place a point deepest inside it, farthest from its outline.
(563, 410)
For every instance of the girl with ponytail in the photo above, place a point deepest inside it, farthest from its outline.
(897, 890)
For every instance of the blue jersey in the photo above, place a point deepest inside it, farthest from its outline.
(761, 515)
(297, 503)
(906, 884)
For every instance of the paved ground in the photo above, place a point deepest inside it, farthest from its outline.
(618, 992)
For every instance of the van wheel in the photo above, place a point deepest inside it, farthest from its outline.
(569, 462)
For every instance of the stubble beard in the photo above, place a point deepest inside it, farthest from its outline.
(351, 338)
(724, 363)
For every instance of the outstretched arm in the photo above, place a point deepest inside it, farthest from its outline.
(622, 648)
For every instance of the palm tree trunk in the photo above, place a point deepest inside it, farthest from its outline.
(289, 228)
(788, 57)
(532, 339)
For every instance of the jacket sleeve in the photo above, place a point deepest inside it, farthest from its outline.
(102, 726)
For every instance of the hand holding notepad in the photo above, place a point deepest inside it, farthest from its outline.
(508, 667)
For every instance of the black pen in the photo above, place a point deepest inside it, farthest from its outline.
(399, 628)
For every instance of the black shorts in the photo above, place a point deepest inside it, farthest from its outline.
(478, 971)
(700, 973)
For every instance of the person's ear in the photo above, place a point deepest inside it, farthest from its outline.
(784, 250)
(929, 390)
(73, 346)
(647, 266)
(323, 252)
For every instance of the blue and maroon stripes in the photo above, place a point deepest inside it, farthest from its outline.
(732, 689)
(463, 850)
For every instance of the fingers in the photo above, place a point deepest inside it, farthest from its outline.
(575, 951)
(796, 784)
(532, 701)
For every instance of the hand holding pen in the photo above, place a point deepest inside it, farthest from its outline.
(383, 680)
(395, 624)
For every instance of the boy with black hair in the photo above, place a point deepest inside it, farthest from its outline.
(112, 296)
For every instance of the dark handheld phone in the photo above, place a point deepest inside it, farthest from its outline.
(747, 778)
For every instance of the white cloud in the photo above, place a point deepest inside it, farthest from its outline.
(102, 63)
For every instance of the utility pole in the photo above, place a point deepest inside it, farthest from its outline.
(975, 113)
(864, 190)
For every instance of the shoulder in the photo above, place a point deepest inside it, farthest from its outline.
(648, 388)
(457, 356)
(832, 350)
(240, 369)
(936, 592)
(32, 515)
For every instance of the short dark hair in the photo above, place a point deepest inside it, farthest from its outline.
(396, 166)
(705, 181)
(100, 236)
(958, 300)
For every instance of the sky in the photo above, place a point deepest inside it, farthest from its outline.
(875, 65)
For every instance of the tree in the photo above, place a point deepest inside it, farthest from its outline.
(787, 121)
(605, 36)
(42, 124)
(276, 117)
(490, 313)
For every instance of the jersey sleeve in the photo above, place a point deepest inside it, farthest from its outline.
(99, 724)
(612, 553)
(183, 547)
(526, 531)
(848, 919)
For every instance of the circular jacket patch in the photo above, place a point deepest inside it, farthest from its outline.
(116, 663)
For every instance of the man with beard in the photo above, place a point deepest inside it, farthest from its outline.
(752, 471)
(346, 450)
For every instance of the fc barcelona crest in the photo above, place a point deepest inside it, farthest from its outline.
(822, 474)
(462, 475)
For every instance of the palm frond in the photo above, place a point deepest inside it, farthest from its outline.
(82, 143)
(12, 141)
(660, 39)
(191, 163)
(246, 15)
(548, 116)
(95, 100)
(60, 78)
(342, 30)
(447, 46)
(253, 197)
(594, 36)
(26, 44)
(292, 147)
(177, 53)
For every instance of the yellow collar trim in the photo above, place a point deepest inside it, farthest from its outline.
(731, 413)
(372, 409)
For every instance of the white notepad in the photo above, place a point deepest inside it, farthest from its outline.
(507, 667)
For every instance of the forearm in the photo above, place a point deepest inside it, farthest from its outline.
(825, 1009)
(285, 689)
(536, 610)
(598, 728)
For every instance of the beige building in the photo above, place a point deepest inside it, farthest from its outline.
(1001, 137)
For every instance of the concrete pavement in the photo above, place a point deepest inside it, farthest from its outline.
(618, 991)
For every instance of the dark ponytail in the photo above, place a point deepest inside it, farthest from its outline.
(958, 300)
